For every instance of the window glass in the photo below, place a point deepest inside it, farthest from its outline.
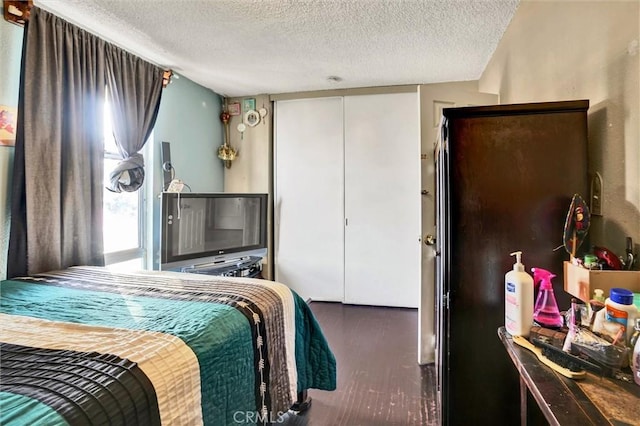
(122, 212)
(121, 216)
(110, 146)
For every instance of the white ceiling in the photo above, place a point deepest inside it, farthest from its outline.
(251, 47)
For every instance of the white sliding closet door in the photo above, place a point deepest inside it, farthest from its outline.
(309, 208)
(382, 199)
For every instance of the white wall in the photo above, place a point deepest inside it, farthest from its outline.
(563, 50)
(251, 171)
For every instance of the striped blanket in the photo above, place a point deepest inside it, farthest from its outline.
(91, 346)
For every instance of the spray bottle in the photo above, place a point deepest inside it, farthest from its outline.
(546, 311)
(518, 299)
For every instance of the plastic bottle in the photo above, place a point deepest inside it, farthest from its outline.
(635, 365)
(619, 308)
(518, 299)
(590, 261)
(598, 294)
(546, 312)
(596, 305)
(633, 340)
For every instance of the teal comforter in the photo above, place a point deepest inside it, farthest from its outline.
(253, 343)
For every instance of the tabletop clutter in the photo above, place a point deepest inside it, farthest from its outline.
(600, 331)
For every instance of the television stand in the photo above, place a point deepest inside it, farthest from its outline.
(248, 267)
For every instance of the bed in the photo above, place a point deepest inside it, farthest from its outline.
(87, 345)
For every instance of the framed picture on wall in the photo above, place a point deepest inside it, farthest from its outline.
(234, 108)
(248, 104)
(8, 122)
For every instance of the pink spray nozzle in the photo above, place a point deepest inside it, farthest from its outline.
(543, 275)
(546, 311)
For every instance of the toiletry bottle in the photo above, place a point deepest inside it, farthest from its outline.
(518, 299)
(635, 365)
(619, 308)
(573, 326)
(598, 294)
(546, 312)
(633, 340)
(595, 305)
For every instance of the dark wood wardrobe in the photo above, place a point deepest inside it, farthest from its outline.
(505, 178)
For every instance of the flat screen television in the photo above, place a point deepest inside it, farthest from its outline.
(208, 228)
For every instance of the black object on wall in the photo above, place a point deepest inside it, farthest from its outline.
(167, 168)
(505, 178)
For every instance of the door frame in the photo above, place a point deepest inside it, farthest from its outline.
(433, 98)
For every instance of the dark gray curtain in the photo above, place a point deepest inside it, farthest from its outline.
(56, 209)
(134, 88)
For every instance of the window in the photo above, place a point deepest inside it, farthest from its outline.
(123, 218)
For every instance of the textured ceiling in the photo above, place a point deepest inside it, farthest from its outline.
(251, 47)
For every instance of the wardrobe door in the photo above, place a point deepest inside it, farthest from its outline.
(382, 199)
(309, 209)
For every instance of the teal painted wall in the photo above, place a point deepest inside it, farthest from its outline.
(10, 52)
(188, 119)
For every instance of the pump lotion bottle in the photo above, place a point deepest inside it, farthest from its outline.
(518, 299)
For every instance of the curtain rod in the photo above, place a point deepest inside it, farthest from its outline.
(17, 11)
(166, 78)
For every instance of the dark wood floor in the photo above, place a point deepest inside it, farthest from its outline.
(379, 379)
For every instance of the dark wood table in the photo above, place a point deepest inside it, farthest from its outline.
(593, 400)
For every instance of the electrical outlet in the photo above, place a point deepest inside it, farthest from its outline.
(596, 195)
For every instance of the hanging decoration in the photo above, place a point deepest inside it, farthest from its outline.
(576, 225)
(226, 152)
(263, 113)
(241, 128)
(234, 108)
(252, 118)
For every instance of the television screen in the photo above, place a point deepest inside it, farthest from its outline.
(210, 227)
